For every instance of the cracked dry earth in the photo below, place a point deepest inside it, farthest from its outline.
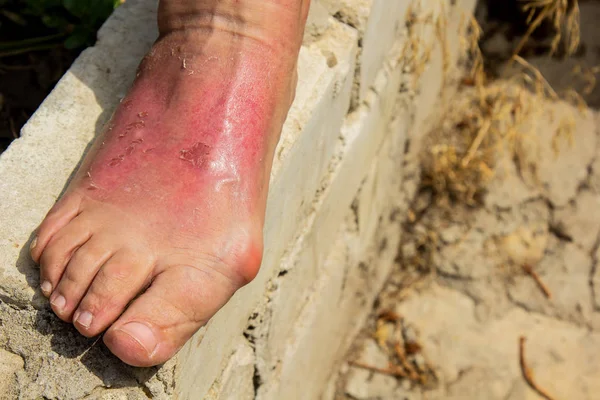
(451, 328)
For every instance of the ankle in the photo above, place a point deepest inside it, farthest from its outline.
(274, 23)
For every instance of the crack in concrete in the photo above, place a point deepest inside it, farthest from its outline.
(251, 338)
(593, 270)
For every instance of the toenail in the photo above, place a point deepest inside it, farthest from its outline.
(84, 319)
(33, 243)
(46, 287)
(141, 334)
(59, 302)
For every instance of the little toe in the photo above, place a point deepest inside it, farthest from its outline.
(57, 218)
(79, 274)
(158, 323)
(59, 250)
(117, 282)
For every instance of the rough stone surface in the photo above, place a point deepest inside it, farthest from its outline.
(557, 165)
(580, 220)
(379, 23)
(236, 381)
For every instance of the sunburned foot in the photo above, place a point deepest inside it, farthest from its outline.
(163, 221)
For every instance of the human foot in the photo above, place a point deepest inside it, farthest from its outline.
(163, 221)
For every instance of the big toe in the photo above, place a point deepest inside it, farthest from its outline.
(159, 322)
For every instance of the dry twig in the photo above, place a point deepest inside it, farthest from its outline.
(413, 375)
(528, 373)
(542, 86)
(531, 272)
(391, 370)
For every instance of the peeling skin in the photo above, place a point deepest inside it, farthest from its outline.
(197, 155)
(116, 161)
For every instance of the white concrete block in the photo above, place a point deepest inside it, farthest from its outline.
(317, 22)
(235, 381)
(380, 24)
(363, 133)
(310, 345)
(384, 27)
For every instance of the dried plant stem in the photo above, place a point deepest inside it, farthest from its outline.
(528, 373)
(532, 27)
(531, 272)
(483, 131)
(401, 354)
(564, 16)
(395, 372)
(539, 78)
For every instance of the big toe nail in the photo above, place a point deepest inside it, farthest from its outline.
(141, 334)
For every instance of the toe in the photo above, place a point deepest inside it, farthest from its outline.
(57, 218)
(59, 250)
(79, 274)
(117, 282)
(158, 323)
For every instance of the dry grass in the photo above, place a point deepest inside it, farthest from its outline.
(588, 75)
(486, 126)
(406, 359)
(486, 120)
(564, 17)
(462, 153)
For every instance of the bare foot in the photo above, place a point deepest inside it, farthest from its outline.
(163, 221)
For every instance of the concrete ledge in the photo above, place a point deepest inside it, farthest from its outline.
(331, 238)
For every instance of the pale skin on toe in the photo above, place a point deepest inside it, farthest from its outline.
(163, 221)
